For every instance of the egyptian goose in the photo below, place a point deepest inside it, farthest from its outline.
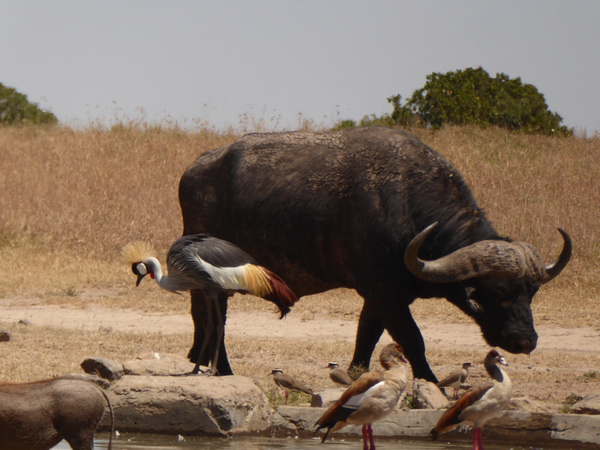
(480, 403)
(288, 384)
(370, 398)
(456, 379)
(338, 375)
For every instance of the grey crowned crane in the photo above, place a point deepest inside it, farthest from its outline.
(370, 398)
(217, 268)
(479, 404)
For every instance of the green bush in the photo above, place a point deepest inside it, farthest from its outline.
(471, 96)
(15, 109)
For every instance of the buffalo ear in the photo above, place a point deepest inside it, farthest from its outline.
(473, 305)
(462, 297)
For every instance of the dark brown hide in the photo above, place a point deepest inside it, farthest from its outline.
(38, 415)
(329, 210)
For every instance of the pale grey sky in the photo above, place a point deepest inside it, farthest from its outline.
(214, 61)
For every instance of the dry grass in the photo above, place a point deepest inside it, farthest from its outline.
(71, 199)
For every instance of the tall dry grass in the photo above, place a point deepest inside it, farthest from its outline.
(70, 199)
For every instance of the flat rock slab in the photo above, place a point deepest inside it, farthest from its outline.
(193, 405)
(588, 405)
(513, 426)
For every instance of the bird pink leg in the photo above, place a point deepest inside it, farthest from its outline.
(371, 437)
(477, 439)
(365, 436)
(286, 396)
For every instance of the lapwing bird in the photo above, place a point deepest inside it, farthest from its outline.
(288, 384)
(480, 403)
(338, 375)
(218, 268)
(370, 398)
(455, 379)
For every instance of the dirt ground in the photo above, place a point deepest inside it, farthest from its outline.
(566, 361)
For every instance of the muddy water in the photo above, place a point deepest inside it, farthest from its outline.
(131, 441)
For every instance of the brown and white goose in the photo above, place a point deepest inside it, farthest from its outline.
(480, 403)
(370, 398)
(455, 379)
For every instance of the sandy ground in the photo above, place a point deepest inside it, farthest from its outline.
(567, 360)
(240, 324)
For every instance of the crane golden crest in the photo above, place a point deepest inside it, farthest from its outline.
(136, 251)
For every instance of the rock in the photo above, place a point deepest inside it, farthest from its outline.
(514, 426)
(103, 367)
(24, 322)
(587, 405)
(326, 398)
(161, 366)
(529, 405)
(193, 405)
(292, 421)
(299, 421)
(427, 395)
(5, 336)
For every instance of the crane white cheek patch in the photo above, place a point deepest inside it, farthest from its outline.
(141, 269)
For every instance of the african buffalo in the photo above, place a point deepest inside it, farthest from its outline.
(38, 415)
(346, 209)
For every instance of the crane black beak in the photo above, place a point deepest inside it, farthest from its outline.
(140, 270)
(139, 279)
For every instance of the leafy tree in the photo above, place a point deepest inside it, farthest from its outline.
(16, 109)
(471, 96)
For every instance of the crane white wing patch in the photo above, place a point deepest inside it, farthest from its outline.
(248, 277)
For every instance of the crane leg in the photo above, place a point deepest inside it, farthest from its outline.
(220, 334)
(207, 328)
(207, 310)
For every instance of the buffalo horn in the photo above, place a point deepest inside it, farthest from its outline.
(552, 270)
(492, 258)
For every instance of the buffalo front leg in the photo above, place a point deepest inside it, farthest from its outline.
(202, 313)
(399, 322)
(370, 329)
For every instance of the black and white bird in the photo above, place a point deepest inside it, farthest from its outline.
(455, 379)
(216, 267)
(370, 398)
(338, 375)
(288, 384)
(479, 404)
